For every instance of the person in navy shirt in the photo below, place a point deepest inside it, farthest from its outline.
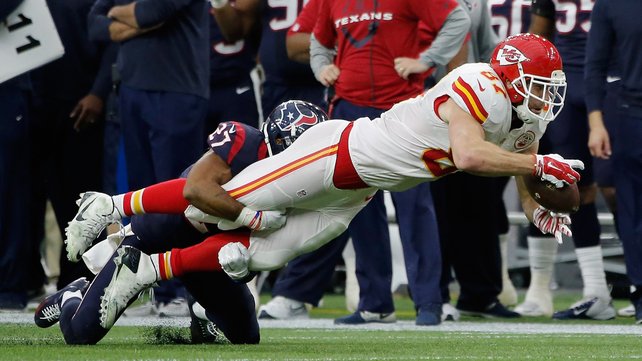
(16, 240)
(615, 34)
(163, 64)
(164, 68)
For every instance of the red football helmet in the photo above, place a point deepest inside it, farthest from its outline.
(527, 61)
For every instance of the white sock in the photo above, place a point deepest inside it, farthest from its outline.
(199, 311)
(592, 268)
(508, 295)
(69, 295)
(162, 265)
(541, 254)
(119, 205)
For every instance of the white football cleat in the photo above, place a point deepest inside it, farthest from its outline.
(281, 308)
(134, 273)
(96, 211)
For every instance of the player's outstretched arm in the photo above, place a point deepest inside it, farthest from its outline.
(203, 190)
(473, 154)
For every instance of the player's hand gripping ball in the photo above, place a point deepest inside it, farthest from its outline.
(562, 200)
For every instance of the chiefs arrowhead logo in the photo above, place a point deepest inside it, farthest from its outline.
(508, 55)
(525, 140)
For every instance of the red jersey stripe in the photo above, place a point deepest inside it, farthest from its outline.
(286, 169)
(471, 100)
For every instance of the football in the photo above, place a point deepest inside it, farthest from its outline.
(562, 200)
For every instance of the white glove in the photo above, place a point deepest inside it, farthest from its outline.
(557, 170)
(234, 259)
(255, 220)
(217, 4)
(197, 215)
(552, 223)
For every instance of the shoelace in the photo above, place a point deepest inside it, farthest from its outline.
(51, 312)
(120, 299)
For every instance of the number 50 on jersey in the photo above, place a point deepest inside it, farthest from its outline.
(28, 39)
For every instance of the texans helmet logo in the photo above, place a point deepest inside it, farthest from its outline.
(292, 115)
(508, 55)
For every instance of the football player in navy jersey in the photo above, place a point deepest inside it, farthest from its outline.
(615, 36)
(569, 24)
(233, 146)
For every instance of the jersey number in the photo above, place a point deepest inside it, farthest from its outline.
(514, 23)
(291, 12)
(492, 77)
(567, 15)
(223, 130)
(439, 162)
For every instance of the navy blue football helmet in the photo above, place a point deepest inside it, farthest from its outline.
(288, 121)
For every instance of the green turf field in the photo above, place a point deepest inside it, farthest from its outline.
(27, 342)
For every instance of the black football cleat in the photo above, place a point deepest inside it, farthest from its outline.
(48, 311)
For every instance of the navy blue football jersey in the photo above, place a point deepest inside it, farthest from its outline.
(510, 17)
(229, 62)
(238, 144)
(277, 17)
(572, 23)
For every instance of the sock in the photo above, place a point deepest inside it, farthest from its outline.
(165, 197)
(70, 295)
(199, 311)
(203, 257)
(508, 295)
(163, 265)
(541, 255)
(592, 268)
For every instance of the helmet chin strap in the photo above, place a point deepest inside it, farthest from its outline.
(523, 113)
(528, 117)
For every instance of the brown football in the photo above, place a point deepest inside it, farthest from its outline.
(562, 200)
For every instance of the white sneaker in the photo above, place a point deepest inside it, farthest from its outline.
(175, 308)
(134, 272)
(628, 311)
(533, 309)
(449, 313)
(281, 308)
(96, 211)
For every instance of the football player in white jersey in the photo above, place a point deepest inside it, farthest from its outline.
(464, 123)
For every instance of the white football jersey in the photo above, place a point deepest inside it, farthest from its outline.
(409, 144)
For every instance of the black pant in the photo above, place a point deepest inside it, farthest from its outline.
(471, 215)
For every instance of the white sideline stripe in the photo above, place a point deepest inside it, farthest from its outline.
(461, 327)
